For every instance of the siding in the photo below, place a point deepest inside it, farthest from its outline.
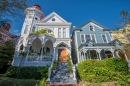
(98, 31)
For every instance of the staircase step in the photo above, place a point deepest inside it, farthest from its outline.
(61, 84)
(61, 75)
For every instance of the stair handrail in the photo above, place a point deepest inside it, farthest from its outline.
(74, 69)
(49, 70)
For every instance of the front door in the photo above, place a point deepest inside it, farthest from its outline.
(62, 55)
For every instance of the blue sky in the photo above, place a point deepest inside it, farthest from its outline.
(105, 12)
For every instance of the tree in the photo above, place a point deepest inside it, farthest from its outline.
(6, 53)
(11, 8)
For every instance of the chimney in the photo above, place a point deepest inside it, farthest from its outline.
(73, 28)
(7, 26)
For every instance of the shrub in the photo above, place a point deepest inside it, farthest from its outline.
(11, 71)
(116, 64)
(27, 72)
(101, 71)
(43, 82)
(17, 82)
(32, 72)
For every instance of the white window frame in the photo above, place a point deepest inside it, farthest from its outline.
(92, 26)
(59, 31)
(105, 37)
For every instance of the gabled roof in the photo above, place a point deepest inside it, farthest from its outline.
(51, 15)
(104, 28)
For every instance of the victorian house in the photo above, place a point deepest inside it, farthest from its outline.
(40, 49)
(93, 41)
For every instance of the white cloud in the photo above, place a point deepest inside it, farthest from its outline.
(16, 31)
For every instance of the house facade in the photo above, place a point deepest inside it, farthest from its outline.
(122, 34)
(93, 41)
(42, 49)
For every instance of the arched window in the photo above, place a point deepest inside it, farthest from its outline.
(47, 51)
(62, 45)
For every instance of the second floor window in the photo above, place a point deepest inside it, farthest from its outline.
(64, 32)
(82, 38)
(26, 29)
(93, 38)
(59, 32)
(87, 37)
(104, 38)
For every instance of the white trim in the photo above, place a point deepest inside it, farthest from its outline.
(94, 38)
(110, 36)
(51, 15)
(106, 38)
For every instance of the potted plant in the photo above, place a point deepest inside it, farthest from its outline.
(69, 64)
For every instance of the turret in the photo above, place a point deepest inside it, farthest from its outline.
(32, 15)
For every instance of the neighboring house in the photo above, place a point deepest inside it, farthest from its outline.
(93, 41)
(5, 35)
(42, 49)
(122, 34)
(15, 39)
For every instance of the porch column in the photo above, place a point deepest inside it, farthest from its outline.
(99, 54)
(54, 54)
(112, 52)
(28, 52)
(89, 54)
(126, 58)
(41, 52)
(80, 57)
(84, 56)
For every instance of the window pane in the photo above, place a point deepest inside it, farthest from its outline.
(104, 38)
(82, 38)
(59, 32)
(64, 32)
(87, 37)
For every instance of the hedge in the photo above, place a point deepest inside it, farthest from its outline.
(102, 70)
(4, 81)
(27, 72)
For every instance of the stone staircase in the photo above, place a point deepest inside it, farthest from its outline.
(61, 77)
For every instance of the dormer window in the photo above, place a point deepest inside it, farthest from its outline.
(53, 19)
(91, 28)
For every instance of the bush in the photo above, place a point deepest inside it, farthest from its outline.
(11, 72)
(101, 71)
(116, 64)
(43, 82)
(27, 72)
(4, 81)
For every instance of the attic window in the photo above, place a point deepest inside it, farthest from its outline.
(53, 19)
(36, 18)
(91, 28)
